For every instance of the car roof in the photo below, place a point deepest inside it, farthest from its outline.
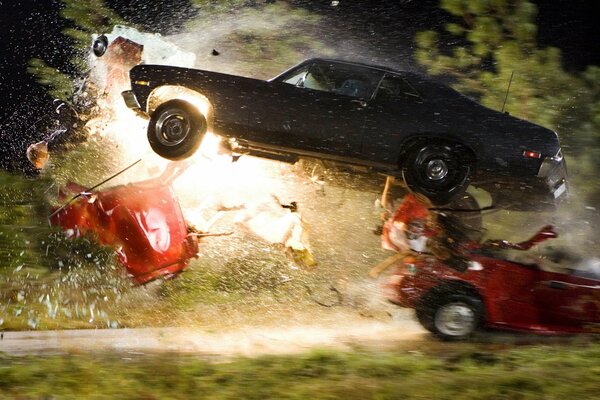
(351, 63)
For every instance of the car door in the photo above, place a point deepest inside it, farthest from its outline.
(568, 301)
(232, 98)
(317, 108)
(396, 111)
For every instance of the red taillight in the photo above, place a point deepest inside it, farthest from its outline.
(532, 154)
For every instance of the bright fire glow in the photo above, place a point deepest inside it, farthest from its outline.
(209, 165)
(211, 181)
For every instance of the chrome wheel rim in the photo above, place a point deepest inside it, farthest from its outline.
(172, 127)
(455, 319)
(436, 169)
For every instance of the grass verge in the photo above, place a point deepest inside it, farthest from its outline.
(464, 372)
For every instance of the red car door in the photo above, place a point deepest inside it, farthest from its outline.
(567, 300)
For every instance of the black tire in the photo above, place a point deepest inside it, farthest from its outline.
(439, 171)
(451, 316)
(176, 129)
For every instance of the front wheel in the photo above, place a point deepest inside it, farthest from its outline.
(439, 171)
(451, 316)
(176, 129)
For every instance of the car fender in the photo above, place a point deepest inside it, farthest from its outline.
(450, 285)
(164, 93)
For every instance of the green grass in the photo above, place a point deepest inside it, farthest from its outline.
(542, 372)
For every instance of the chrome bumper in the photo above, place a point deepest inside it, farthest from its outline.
(130, 100)
(553, 172)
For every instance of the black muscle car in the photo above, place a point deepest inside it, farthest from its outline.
(396, 122)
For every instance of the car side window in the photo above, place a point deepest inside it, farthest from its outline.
(297, 77)
(341, 79)
(396, 88)
(318, 78)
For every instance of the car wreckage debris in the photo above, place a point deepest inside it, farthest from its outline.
(497, 290)
(53, 129)
(417, 227)
(143, 222)
(278, 224)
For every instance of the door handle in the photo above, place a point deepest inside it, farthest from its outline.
(557, 285)
(361, 103)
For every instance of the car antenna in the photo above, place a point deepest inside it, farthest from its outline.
(91, 188)
(507, 90)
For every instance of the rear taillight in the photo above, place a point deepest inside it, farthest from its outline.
(532, 154)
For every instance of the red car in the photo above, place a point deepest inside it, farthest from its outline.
(492, 292)
(143, 222)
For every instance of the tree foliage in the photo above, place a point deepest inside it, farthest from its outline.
(216, 7)
(486, 41)
(86, 18)
(59, 84)
(491, 39)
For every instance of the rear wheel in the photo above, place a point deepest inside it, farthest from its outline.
(176, 129)
(439, 171)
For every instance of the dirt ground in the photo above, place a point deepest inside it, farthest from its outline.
(336, 330)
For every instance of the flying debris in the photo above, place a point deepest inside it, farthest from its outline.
(142, 221)
(279, 224)
(54, 128)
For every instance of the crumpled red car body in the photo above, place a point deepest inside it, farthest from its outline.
(143, 222)
(514, 295)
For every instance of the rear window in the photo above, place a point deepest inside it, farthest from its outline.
(396, 88)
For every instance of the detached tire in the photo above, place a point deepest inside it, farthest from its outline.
(451, 316)
(439, 171)
(176, 129)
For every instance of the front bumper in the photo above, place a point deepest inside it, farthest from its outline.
(526, 191)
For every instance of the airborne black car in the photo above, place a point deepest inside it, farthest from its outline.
(396, 122)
